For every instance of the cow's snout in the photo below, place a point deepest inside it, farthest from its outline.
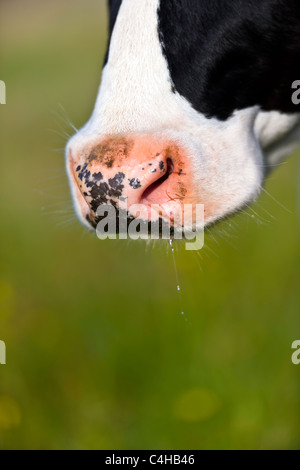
(130, 171)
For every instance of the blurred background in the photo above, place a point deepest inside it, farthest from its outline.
(98, 355)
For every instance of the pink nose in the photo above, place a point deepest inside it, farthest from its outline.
(140, 170)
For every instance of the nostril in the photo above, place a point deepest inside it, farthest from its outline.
(170, 166)
(148, 193)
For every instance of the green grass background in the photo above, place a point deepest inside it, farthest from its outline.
(98, 355)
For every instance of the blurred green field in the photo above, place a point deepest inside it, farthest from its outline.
(98, 355)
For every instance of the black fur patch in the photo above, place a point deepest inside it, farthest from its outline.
(225, 55)
(114, 6)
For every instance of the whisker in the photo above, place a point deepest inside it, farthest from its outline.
(62, 134)
(70, 220)
(276, 201)
(260, 220)
(65, 118)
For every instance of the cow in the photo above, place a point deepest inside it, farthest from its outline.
(195, 107)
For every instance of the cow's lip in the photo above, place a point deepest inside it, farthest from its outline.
(93, 220)
(80, 204)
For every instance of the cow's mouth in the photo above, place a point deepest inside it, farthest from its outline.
(162, 227)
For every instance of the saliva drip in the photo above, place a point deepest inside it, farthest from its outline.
(178, 288)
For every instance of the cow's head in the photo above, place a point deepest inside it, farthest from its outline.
(192, 92)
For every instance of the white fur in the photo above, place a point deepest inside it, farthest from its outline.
(278, 134)
(135, 98)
